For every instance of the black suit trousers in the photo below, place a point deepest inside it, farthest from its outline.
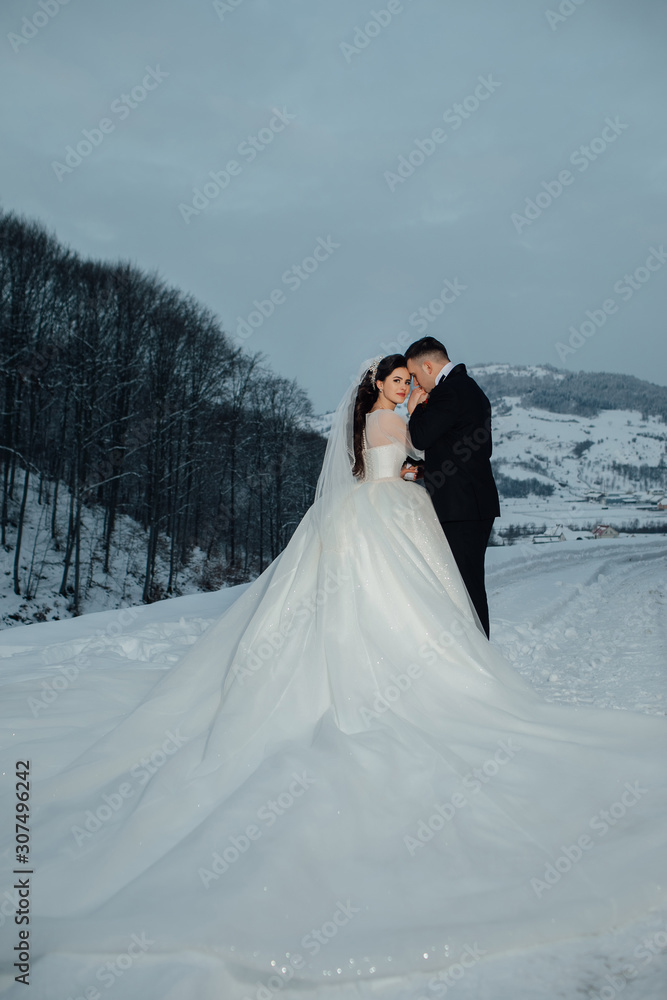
(468, 541)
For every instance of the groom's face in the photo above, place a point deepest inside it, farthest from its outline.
(422, 374)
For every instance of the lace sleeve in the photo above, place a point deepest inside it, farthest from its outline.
(386, 427)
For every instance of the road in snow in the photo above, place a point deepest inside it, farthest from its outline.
(586, 622)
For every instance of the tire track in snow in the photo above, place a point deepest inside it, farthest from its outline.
(588, 631)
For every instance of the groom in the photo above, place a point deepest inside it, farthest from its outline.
(450, 420)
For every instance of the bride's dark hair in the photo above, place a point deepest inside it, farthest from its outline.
(367, 393)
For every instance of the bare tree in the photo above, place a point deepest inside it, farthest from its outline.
(126, 398)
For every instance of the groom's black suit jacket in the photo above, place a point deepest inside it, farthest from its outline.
(453, 428)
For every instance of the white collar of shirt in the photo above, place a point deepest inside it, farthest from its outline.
(444, 372)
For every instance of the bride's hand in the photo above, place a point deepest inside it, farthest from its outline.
(417, 396)
(410, 468)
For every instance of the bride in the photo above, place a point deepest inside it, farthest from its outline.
(342, 789)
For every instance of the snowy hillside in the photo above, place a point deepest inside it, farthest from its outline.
(579, 455)
(585, 624)
(578, 460)
(515, 371)
(40, 570)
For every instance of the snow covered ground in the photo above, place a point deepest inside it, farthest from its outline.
(586, 622)
(580, 514)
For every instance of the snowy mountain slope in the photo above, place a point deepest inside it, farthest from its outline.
(587, 625)
(580, 454)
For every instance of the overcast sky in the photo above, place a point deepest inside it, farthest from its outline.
(312, 105)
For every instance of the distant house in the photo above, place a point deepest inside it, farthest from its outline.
(605, 531)
(560, 533)
(579, 535)
(551, 535)
(546, 538)
(662, 504)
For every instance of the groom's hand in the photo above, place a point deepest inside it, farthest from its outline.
(417, 396)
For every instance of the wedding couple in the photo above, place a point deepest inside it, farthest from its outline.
(366, 795)
(453, 434)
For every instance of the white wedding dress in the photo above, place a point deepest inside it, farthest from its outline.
(356, 792)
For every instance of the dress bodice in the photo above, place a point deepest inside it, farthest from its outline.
(386, 444)
(384, 461)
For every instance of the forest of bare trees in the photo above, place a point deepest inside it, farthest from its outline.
(123, 394)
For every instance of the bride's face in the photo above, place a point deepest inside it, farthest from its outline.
(396, 386)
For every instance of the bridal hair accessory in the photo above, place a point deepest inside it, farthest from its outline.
(373, 370)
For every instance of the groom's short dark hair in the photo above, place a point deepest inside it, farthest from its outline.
(426, 347)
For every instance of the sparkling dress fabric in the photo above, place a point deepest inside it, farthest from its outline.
(355, 788)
